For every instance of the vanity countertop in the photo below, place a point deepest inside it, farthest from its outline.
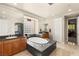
(9, 38)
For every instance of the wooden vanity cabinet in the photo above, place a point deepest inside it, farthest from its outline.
(13, 46)
(7, 47)
(1, 48)
(45, 35)
(22, 43)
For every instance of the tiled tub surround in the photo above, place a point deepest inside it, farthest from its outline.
(41, 49)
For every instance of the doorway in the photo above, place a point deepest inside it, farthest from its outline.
(70, 30)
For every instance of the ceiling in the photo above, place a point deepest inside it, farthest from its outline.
(45, 10)
(41, 9)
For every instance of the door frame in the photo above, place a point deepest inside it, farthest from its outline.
(66, 28)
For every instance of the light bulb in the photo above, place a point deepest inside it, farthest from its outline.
(69, 9)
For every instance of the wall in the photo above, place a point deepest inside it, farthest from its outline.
(7, 26)
(14, 15)
(42, 22)
(78, 30)
(36, 26)
(3, 27)
(58, 29)
(57, 26)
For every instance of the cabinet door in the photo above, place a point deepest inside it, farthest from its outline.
(15, 46)
(1, 48)
(7, 48)
(22, 43)
(45, 35)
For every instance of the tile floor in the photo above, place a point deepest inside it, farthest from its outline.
(61, 50)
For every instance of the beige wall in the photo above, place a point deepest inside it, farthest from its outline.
(57, 27)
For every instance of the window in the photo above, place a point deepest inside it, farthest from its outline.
(28, 26)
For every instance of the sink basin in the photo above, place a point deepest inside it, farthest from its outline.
(11, 37)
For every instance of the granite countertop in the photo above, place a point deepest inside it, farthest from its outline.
(7, 37)
(10, 37)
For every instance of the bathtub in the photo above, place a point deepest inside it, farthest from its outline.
(38, 40)
(37, 43)
(39, 46)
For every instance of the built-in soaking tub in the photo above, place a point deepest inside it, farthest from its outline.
(39, 46)
(38, 40)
